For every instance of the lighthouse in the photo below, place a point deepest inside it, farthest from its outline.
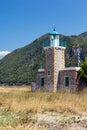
(55, 75)
(54, 60)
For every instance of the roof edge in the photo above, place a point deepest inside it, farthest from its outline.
(41, 70)
(71, 68)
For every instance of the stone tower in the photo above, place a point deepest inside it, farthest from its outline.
(54, 61)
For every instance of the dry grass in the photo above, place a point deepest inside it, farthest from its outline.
(17, 102)
(22, 99)
(7, 89)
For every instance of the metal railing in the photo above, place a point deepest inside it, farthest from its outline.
(62, 43)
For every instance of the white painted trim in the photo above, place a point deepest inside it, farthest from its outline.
(41, 70)
(54, 47)
(71, 68)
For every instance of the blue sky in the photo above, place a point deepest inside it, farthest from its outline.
(22, 21)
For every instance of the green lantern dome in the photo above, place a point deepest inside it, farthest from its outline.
(54, 32)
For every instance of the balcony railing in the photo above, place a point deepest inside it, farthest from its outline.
(62, 43)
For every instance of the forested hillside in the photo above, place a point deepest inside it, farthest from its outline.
(20, 66)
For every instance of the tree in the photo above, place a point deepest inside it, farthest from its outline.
(83, 71)
(82, 74)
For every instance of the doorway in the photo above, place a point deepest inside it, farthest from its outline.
(42, 82)
(67, 81)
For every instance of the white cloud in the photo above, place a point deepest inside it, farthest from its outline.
(3, 53)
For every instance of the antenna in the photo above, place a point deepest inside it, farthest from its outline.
(54, 27)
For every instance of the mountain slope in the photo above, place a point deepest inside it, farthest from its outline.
(20, 66)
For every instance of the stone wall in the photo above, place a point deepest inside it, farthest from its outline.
(49, 63)
(72, 74)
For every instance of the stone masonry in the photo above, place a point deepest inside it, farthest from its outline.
(54, 61)
(70, 72)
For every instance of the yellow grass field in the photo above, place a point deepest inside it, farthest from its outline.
(22, 99)
(19, 104)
